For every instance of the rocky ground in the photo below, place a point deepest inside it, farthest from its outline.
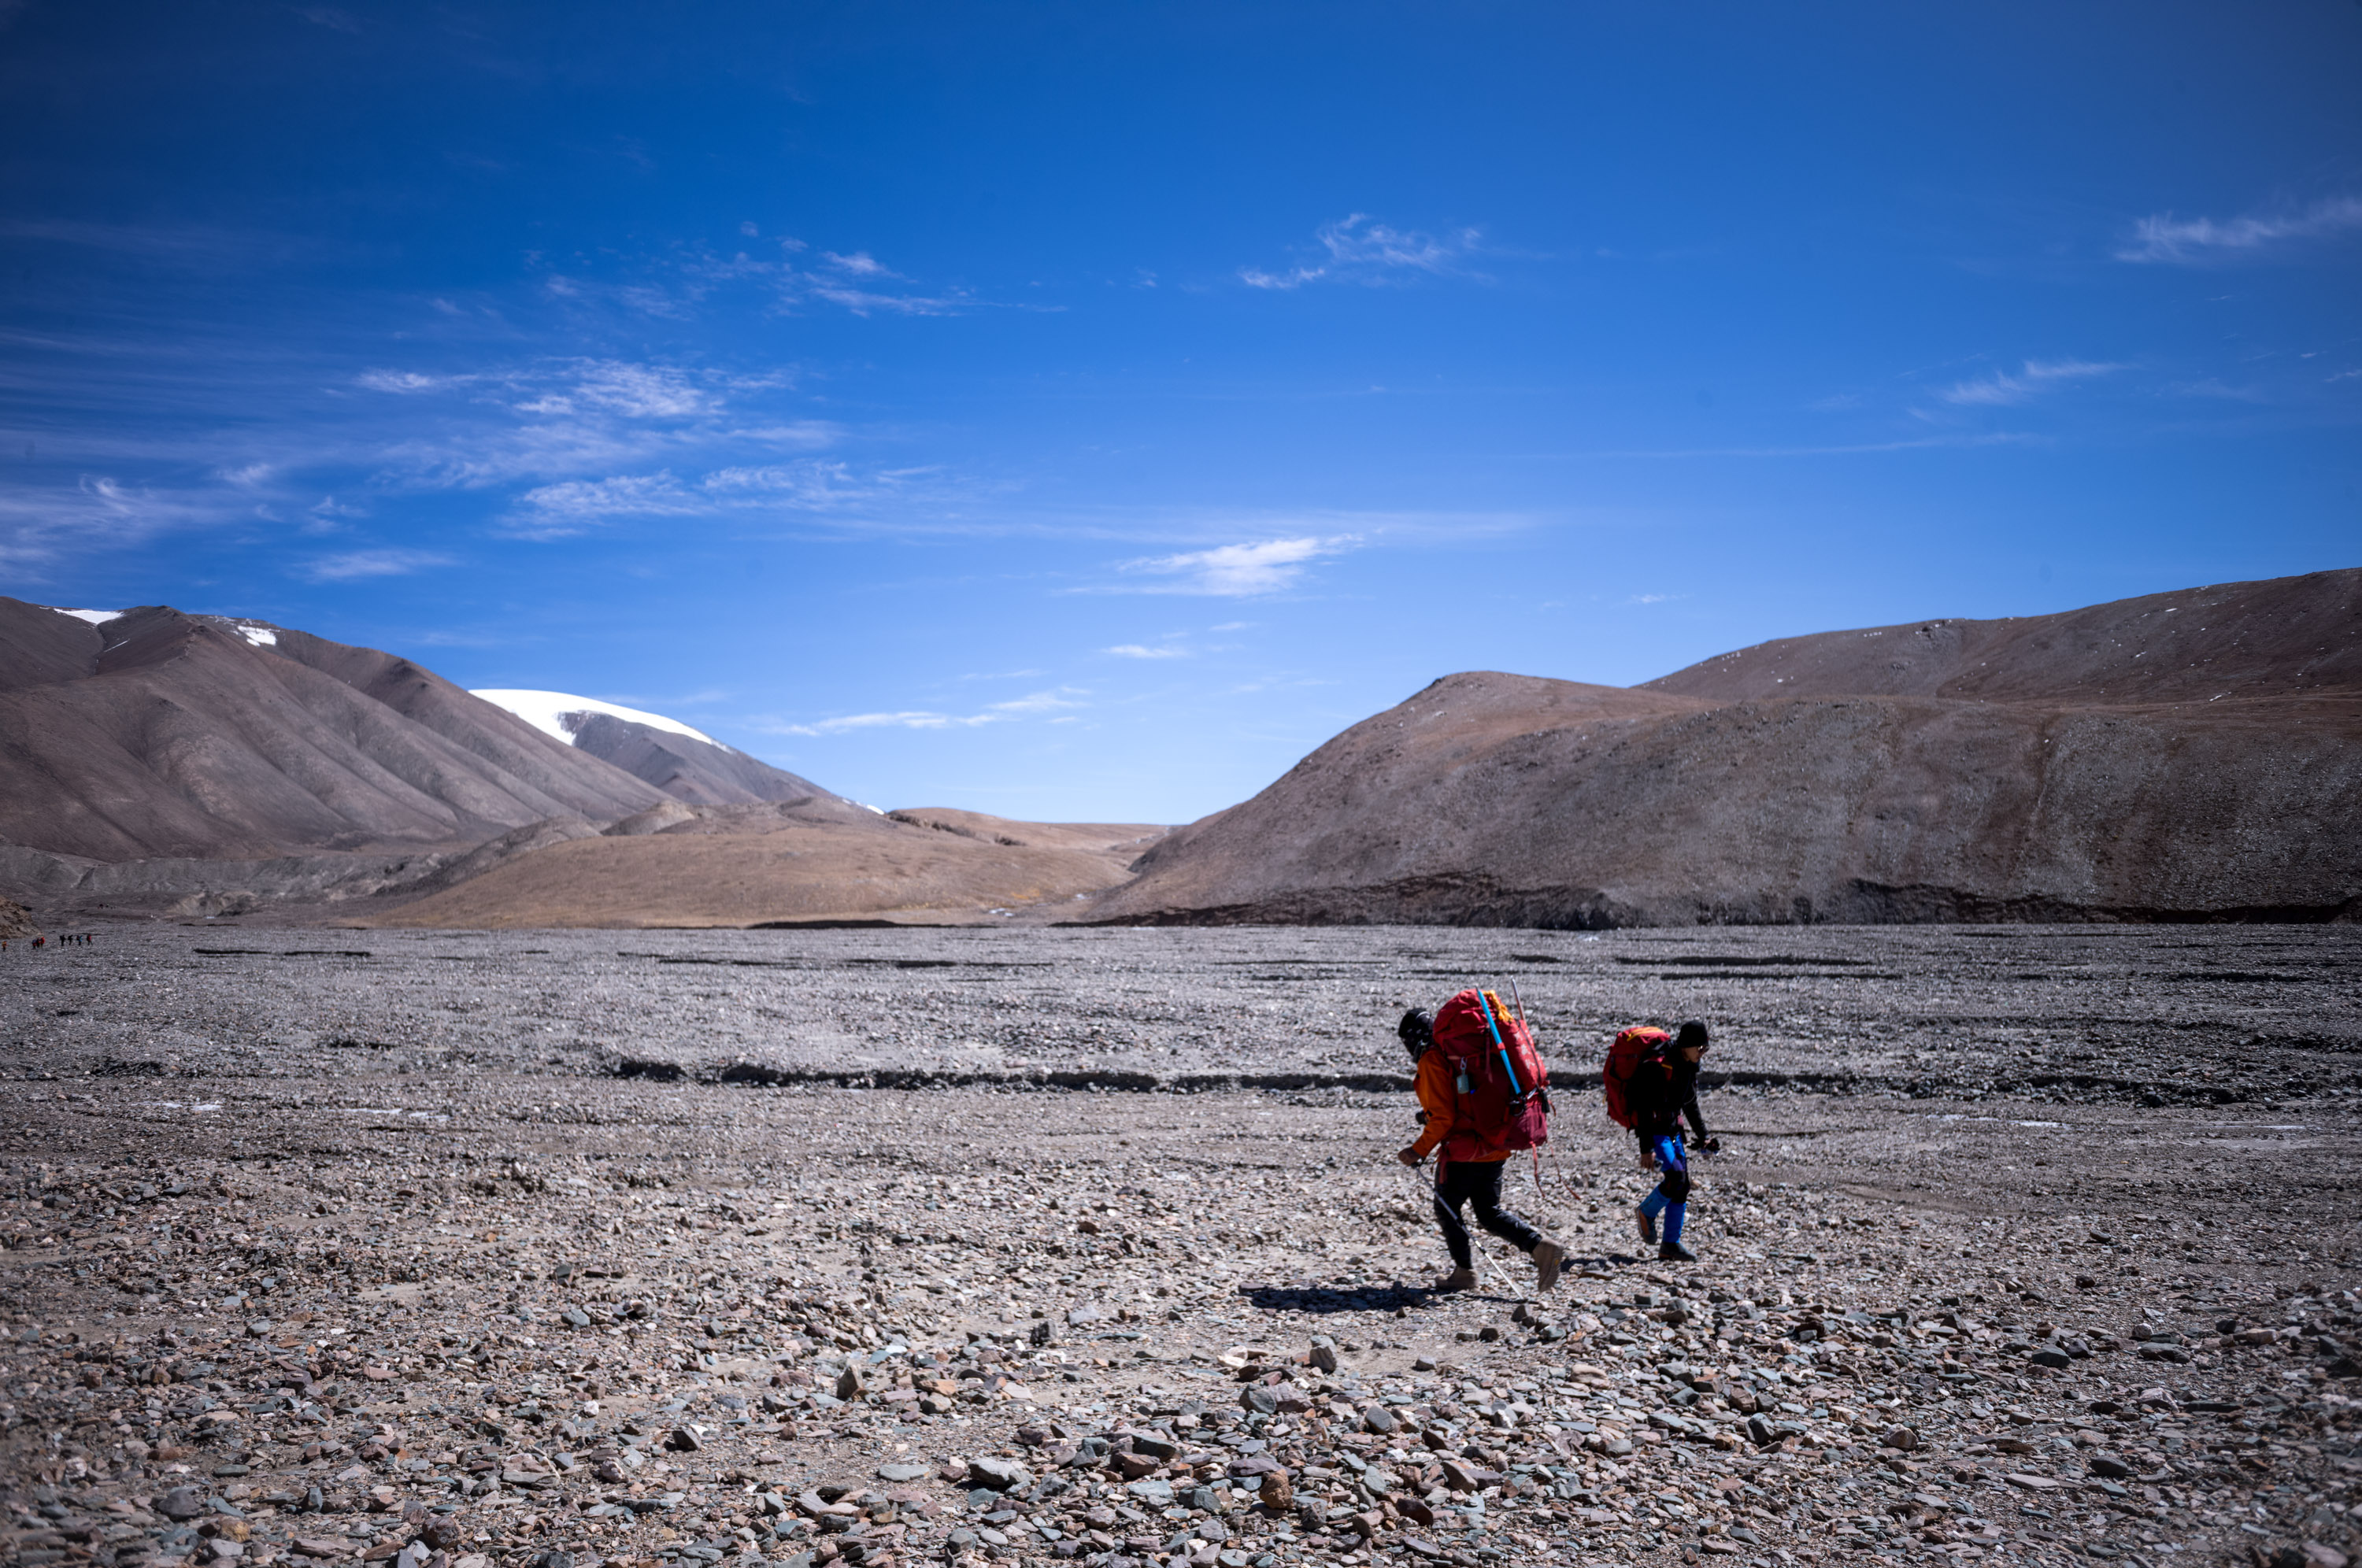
(884, 1247)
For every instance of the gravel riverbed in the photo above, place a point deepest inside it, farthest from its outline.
(456, 1250)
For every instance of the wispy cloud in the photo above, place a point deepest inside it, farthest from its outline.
(1054, 701)
(163, 244)
(574, 506)
(41, 524)
(2210, 387)
(570, 420)
(1358, 250)
(1847, 450)
(1141, 650)
(232, 427)
(869, 302)
(861, 264)
(2161, 236)
(635, 392)
(353, 566)
(2038, 376)
(852, 280)
(1240, 570)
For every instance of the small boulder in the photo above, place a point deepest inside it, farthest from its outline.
(1000, 1474)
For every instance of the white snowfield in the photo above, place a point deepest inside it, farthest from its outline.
(96, 617)
(559, 714)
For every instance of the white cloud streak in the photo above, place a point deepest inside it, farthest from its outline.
(353, 566)
(577, 420)
(1141, 650)
(1268, 565)
(2163, 238)
(1358, 250)
(2038, 376)
(1038, 703)
(574, 506)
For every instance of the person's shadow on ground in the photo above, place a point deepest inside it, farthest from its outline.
(1324, 1299)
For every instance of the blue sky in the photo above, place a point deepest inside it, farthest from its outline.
(1081, 411)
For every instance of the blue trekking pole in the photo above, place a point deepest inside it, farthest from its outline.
(1499, 1045)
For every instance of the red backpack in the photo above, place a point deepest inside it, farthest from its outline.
(1492, 1115)
(1632, 1047)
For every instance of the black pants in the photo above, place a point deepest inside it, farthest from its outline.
(1464, 1182)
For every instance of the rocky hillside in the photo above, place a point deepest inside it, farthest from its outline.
(159, 733)
(2192, 756)
(685, 763)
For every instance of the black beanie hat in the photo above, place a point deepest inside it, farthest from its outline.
(1417, 1032)
(1690, 1034)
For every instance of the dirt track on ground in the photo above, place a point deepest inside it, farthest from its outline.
(288, 1220)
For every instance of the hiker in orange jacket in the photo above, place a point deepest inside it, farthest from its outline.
(1464, 1183)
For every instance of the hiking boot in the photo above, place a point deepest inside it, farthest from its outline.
(1548, 1258)
(1458, 1280)
(1648, 1225)
(1673, 1251)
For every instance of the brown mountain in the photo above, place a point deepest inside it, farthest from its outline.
(157, 762)
(2290, 636)
(159, 733)
(2186, 756)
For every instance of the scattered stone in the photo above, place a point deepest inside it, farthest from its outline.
(1000, 1474)
(1284, 1399)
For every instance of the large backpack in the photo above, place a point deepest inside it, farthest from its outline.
(1632, 1047)
(1491, 1116)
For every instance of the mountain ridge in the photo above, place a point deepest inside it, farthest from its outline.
(160, 734)
(1754, 787)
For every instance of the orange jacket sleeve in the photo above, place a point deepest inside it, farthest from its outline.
(1436, 1097)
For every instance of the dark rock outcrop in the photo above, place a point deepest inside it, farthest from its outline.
(2193, 756)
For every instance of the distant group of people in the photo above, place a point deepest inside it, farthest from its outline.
(70, 938)
(1482, 1095)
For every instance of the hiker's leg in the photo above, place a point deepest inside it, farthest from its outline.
(1665, 1153)
(1675, 1160)
(1449, 1197)
(1485, 1195)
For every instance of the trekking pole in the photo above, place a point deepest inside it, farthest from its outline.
(1499, 1045)
(1428, 1189)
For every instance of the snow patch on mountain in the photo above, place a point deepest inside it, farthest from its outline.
(559, 714)
(96, 617)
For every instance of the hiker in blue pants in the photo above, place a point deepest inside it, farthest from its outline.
(1663, 1091)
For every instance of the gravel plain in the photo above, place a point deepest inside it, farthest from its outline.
(451, 1249)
